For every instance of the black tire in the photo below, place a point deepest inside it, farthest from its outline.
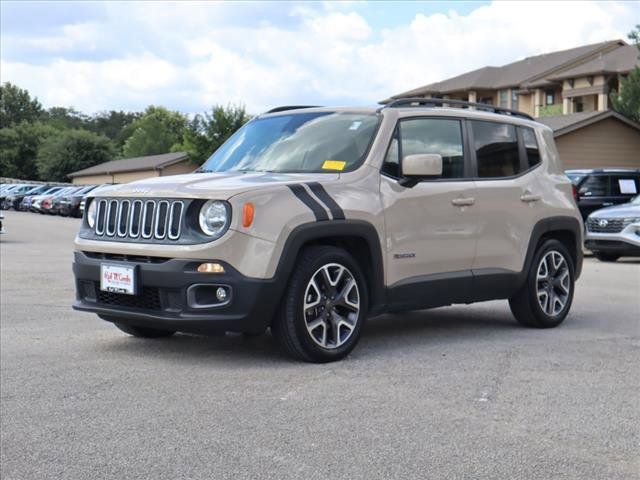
(526, 306)
(606, 257)
(143, 332)
(290, 324)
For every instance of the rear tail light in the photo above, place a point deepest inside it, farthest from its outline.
(574, 190)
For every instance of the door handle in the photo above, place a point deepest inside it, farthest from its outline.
(463, 202)
(530, 197)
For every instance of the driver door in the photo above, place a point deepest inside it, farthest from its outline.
(431, 227)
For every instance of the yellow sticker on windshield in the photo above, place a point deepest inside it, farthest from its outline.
(334, 165)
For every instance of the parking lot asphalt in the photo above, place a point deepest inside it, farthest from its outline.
(458, 392)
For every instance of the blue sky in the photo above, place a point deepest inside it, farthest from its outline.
(191, 55)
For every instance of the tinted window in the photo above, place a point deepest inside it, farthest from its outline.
(595, 186)
(531, 146)
(423, 135)
(624, 185)
(496, 147)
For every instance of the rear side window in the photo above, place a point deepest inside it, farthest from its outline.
(595, 186)
(531, 146)
(625, 185)
(496, 147)
(428, 135)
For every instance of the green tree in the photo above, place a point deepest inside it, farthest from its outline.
(627, 100)
(16, 106)
(19, 147)
(207, 132)
(157, 131)
(114, 124)
(70, 151)
(66, 117)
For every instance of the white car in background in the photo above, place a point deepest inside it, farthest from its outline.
(614, 232)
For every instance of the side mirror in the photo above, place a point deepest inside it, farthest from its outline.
(422, 165)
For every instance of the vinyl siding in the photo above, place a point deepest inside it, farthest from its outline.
(608, 143)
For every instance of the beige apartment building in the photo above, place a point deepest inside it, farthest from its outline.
(131, 169)
(567, 90)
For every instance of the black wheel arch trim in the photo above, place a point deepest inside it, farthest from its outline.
(551, 225)
(318, 231)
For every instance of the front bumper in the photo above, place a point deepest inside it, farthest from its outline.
(626, 242)
(163, 300)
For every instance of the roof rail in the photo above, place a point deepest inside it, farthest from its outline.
(439, 102)
(284, 108)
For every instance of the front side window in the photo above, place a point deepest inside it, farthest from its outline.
(531, 146)
(595, 186)
(296, 143)
(496, 147)
(428, 135)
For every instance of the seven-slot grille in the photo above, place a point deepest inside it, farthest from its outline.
(609, 225)
(139, 218)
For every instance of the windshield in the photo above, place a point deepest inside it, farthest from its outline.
(299, 142)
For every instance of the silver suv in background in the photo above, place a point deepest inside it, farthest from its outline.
(614, 232)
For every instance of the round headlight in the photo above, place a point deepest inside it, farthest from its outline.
(214, 218)
(91, 213)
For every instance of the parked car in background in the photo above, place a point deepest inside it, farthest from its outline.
(1, 223)
(42, 202)
(18, 201)
(69, 205)
(14, 196)
(599, 188)
(36, 200)
(614, 232)
(27, 200)
(50, 204)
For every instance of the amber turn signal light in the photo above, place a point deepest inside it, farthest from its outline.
(210, 268)
(248, 212)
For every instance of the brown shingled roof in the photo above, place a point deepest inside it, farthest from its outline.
(561, 124)
(150, 162)
(521, 73)
(620, 60)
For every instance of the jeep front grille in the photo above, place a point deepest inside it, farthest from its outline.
(607, 225)
(139, 219)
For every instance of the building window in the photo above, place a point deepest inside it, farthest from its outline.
(578, 105)
(550, 97)
(514, 100)
(504, 98)
(496, 147)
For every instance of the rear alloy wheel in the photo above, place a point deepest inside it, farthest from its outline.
(324, 307)
(545, 299)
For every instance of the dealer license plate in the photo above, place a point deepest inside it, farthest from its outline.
(117, 279)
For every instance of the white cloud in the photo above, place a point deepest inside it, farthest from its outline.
(191, 56)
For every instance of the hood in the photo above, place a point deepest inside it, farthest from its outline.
(625, 211)
(221, 186)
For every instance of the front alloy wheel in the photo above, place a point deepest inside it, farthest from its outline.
(332, 305)
(324, 306)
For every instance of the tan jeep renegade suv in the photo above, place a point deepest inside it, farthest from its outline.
(308, 220)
